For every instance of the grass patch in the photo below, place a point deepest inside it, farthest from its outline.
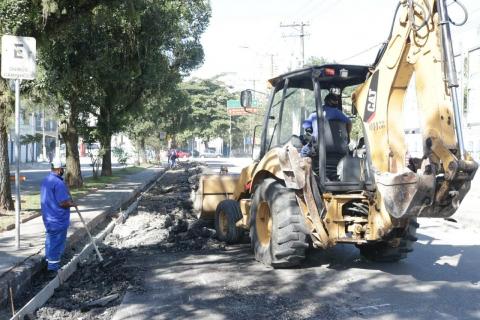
(91, 183)
(31, 202)
(131, 170)
(30, 206)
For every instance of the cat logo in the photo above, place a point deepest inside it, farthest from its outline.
(371, 104)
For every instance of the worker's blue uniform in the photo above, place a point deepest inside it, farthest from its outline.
(55, 218)
(331, 113)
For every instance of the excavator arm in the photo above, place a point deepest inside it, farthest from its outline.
(420, 45)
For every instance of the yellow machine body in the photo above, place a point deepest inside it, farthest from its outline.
(384, 209)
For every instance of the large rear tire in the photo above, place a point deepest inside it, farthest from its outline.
(393, 250)
(226, 216)
(277, 228)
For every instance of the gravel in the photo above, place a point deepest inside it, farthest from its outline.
(164, 222)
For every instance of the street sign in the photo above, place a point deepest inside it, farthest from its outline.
(163, 135)
(241, 111)
(18, 62)
(18, 57)
(236, 104)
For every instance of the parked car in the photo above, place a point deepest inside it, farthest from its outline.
(183, 154)
(210, 153)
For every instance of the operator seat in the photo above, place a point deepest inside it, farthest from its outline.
(351, 168)
(336, 146)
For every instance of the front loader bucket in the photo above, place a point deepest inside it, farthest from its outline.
(211, 190)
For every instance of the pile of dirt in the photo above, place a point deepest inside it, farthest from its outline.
(164, 222)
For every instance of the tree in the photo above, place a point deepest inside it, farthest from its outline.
(144, 50)
(317, 61)
(15, 18)
(68, 58)
(31, 139)
(106, 58)
(168, 113)
(209, 111)
(6, 201)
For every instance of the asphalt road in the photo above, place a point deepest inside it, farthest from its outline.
(34, 177)
(439, 280)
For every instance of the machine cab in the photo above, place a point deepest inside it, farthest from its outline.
(297, 115)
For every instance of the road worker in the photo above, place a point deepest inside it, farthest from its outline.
(55, 206)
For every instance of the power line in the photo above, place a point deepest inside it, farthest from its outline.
(301, 35)
(329, 7)
(362, 52)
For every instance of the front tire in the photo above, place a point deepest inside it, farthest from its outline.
(226, 216)
(277, 230)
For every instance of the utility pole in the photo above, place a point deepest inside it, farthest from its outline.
(301, 34)
(271, 66)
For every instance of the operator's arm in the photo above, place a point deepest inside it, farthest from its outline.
(308, 123)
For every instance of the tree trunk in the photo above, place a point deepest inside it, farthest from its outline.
(142, 151)
(6, 201)
(106, 143)
(73, 173)
(104, 124)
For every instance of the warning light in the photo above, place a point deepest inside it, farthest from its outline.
(329, 72)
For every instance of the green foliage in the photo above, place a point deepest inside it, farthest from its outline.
(30, 138)
(121, 155)
(119, 61)
(317, 61)
(209, 111)
(143, 49)
(357, 129)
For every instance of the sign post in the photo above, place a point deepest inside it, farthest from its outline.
(18, 62)
(234, 108)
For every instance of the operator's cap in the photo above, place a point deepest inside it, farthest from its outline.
(57, 164)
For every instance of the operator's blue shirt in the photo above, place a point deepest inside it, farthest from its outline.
(53, 192)
(331, 113)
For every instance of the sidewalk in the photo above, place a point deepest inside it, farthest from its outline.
(17, 267)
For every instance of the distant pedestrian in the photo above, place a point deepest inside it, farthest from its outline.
(55, 204)
(172, 157)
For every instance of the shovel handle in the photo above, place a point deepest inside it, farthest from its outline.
(89, 235)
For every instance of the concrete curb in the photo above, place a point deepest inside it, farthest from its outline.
(42, 297)
(19, 277)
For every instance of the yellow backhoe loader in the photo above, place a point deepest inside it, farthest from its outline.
(369, 195)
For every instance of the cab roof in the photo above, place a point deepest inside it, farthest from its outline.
(329, 75)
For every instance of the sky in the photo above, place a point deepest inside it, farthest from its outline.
(246, 42)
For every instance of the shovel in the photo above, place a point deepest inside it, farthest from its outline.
(89, 235)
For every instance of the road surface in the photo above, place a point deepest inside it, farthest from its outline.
(439, 280)
(34, 177)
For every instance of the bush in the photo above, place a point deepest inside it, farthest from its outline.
(121, 155)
